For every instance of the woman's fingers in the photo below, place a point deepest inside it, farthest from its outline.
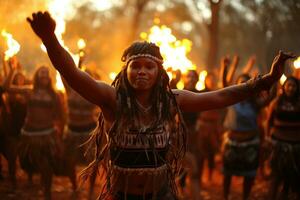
(39, 14)
(47, 15)
(34, 15)
(289, 55)
(286, 55)
(29, 20)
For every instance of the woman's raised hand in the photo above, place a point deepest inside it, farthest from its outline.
(13, 63)
(277, 68)
(42, 24)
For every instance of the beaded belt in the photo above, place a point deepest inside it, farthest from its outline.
(47, 131)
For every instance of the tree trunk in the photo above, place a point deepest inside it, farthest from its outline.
(213, 29)
(139, 7)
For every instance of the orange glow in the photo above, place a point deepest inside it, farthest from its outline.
(12, 44)
(282, 79)
(59, 84)
(170, 75)
(43, 48)
(81, 44)
(201, 83)
(173, 51)
(59, 12)
(113, 75)
(297, 63)
(180, 85)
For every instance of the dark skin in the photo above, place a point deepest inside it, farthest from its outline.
(248, 181)
(289, 89)
(104, 95)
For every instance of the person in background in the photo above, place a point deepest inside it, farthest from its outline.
(141, 115)
(13, 111)
(81, 121)
(176, 76)
(209, 128)
(41, 145)
(191, 167)
(242, 142)
(283, 126)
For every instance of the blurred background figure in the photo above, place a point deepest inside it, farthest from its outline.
(41, 148)
(283, 129)
(209, 129)
(82, 119)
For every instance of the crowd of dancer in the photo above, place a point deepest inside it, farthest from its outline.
(149, 139)
(43, 127)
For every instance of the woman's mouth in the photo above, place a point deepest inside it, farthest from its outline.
(141, 79)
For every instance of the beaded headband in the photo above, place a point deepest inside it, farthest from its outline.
(144, 56)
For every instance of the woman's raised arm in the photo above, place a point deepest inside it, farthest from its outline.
(98, 93)
(7, 83)
(195, 102)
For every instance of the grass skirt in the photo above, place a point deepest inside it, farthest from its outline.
(285, 162)
(37, 153)
(75, 148)
(241, 158)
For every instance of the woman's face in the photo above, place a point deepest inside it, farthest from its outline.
(290, 88)
(142, 73)
(43, 76)
(19, 79)
(190, 80)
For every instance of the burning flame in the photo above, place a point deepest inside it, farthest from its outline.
(12, 44)
(81, 44)
(173, 51)
(180, 85)
(170, 75)
(43, 48)
(282, 79)
(58, 10)
(113, 75)
(297, 63)
(201, 83)
(59, 84)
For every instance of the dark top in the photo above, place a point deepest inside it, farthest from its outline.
(286, 115)
(141, 149)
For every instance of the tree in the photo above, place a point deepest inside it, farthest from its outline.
(213, 28)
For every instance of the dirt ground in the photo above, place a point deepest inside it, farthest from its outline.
(62, 188)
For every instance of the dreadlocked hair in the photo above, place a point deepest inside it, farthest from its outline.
(164, 106)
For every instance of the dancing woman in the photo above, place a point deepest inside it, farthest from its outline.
(283, 128)
(82, 120)
(241, 142)
(40, 145)
(141, 120)
(13, 111)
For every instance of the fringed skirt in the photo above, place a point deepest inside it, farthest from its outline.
(123, 180)
(38, 150)
(163, 194)
(241, 158)
(285, 162)
(74, 143)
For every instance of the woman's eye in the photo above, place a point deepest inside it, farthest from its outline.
(150, 66)
(134, 65)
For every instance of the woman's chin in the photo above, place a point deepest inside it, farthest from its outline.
(141, 87)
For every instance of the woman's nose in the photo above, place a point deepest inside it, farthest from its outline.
(141, 70)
